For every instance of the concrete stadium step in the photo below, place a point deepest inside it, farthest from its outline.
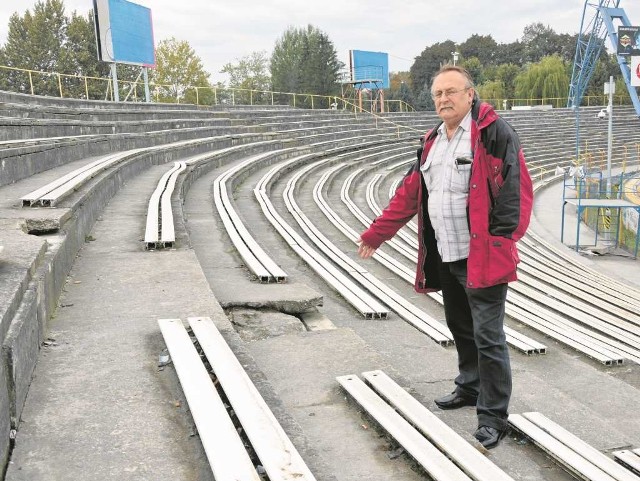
(298, 369)
(30, 129)
(22, 162)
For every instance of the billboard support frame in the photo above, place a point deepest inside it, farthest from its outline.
(114, 80)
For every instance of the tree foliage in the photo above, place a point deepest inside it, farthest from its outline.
(47, 40)
(250, 73)
(482, 47)
(178, 70)
(35, 41)
(305, 60)
(547, 79)
(425, 66)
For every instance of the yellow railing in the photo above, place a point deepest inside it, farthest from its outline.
(98, 88)
(557, 102)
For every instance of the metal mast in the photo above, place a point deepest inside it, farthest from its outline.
(589, 46)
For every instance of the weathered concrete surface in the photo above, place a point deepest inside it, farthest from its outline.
(97, 391)
(254, 325)
(291, 298)
(18, 263)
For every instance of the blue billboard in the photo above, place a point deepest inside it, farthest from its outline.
(124, 32)
(369, 68)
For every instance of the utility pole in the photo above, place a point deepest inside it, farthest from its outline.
(609, 88)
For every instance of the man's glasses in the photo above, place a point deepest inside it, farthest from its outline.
(447, 93)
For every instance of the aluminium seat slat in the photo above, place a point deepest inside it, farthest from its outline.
(586, 291)
(569, 459)
(245, 252)
(252, 254)
(400, 246)
(415, 317)
(563, 330)
(355, 295)
(225, 450)
(275, 270)
(350, 233)
(168, 233)
(628, 458)
(584, 449)
(397, 303)
(402, 234)
(577, 305)
(578, 316)
(151, 231)
(436, 464)
(56, 190)
(54, 196)
(34, 196)
(466, 456)
(276, 452)
(563, 267)
(585, 270)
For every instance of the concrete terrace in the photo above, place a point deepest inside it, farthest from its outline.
(80, 296)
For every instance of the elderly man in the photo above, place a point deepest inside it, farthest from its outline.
(473, 195)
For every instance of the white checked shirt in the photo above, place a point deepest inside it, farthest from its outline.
(447, 182)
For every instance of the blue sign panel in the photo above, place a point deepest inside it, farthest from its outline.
(124, 32)
(371, 68)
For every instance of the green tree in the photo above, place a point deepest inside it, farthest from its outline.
(493, 92)
(424, 68)
(547, 79)
(80, 58)
(506, 74)
(251, 74)
(482, 47)
(35, 41)
(399, 89)
(474, 67)
(305, 60)
(178, 71)
(511, 53)
(542, 41)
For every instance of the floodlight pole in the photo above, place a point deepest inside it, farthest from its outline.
(114, 78)
(610, 89)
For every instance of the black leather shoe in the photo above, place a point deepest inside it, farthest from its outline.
(489, 436)
(455, 400)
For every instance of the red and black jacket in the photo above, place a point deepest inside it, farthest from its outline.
(498, 210)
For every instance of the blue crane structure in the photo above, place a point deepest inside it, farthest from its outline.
(591, 41)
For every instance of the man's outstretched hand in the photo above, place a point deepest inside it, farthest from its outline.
(364, 250)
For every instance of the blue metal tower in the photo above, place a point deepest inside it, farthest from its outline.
(591, 41)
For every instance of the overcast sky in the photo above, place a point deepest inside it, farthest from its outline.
(226, 31)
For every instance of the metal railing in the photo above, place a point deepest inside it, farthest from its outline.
(61, 85)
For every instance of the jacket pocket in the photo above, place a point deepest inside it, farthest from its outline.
(502, 259)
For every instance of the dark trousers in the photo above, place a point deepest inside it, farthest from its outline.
(476, 320)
